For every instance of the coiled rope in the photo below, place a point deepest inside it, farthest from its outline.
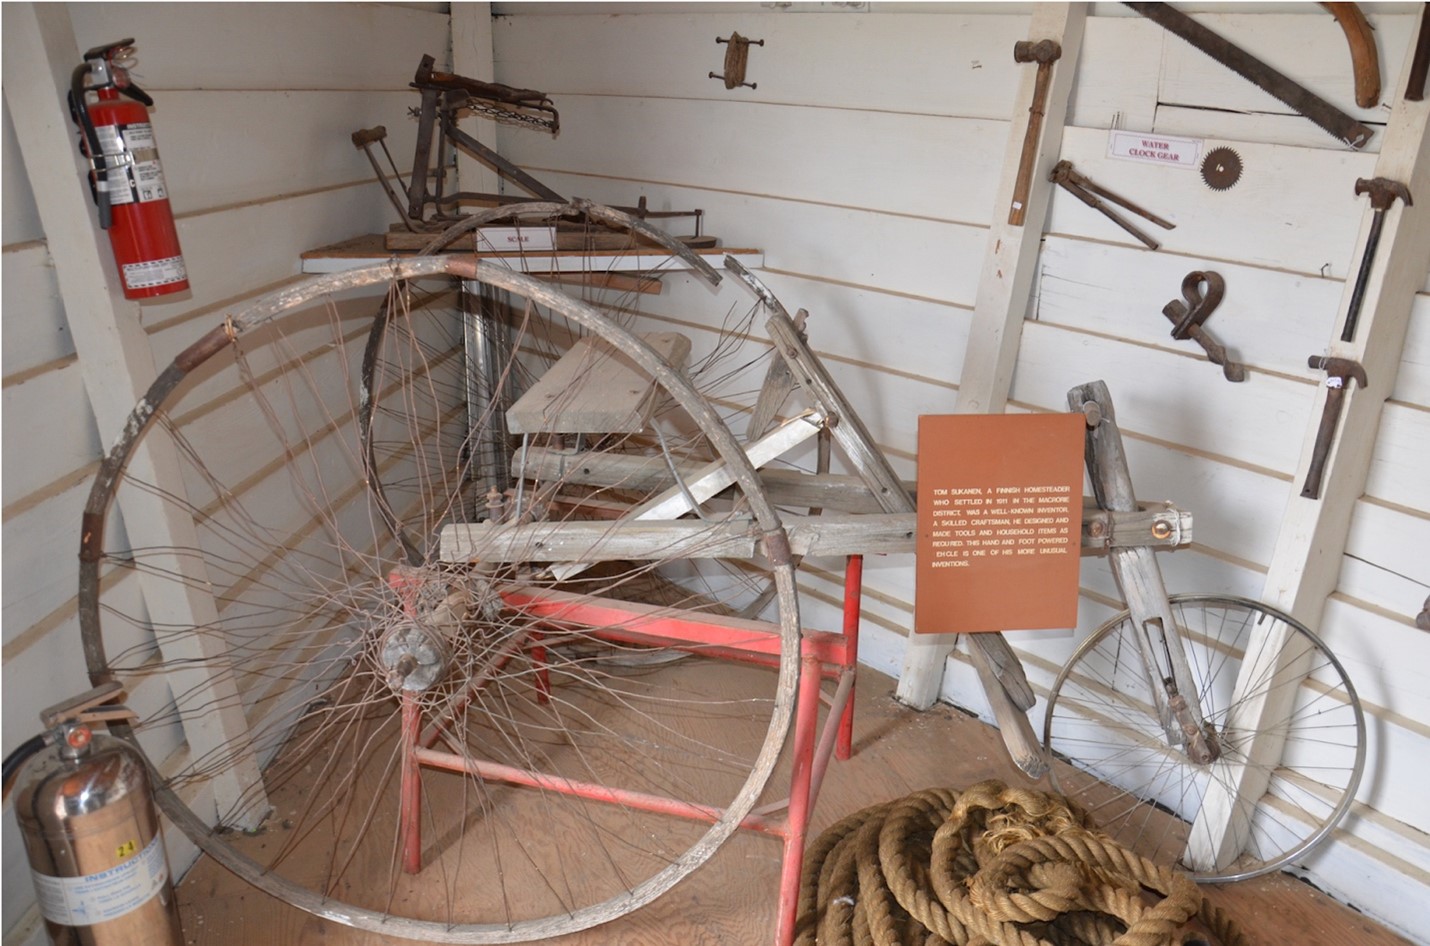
(991, 866)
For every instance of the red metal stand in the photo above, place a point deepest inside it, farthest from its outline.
(822, 656)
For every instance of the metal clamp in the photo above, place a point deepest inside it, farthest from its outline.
(1168, 528)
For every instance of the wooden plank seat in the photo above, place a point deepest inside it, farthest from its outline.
(594, 389)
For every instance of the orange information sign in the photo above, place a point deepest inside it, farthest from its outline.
(1000, 521)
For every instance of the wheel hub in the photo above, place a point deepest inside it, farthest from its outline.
(414, 656)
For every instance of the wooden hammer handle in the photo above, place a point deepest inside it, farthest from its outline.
(1325, 436)
(1024, 181)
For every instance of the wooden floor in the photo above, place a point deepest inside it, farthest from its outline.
(731, 900)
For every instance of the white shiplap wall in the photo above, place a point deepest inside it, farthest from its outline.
(864, 166)
(254, 108)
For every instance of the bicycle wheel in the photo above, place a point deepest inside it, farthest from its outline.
(289, 655)
(1150, 796)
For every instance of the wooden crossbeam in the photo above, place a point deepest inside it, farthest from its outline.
(828, 534)
(713, 478)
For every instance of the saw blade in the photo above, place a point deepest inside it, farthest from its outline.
(1221, 168)
(1334, 121)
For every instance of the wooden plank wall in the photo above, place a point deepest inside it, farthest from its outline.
(255, 105)
(864, 164)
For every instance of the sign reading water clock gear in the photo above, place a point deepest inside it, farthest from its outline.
(999, 522)
(1165, 150)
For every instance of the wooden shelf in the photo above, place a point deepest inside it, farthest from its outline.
(369, 248)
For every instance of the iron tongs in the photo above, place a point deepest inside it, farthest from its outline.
(1086, 191)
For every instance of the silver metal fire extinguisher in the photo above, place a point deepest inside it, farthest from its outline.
(86, 811)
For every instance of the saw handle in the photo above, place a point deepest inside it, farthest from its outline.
(1365, 61)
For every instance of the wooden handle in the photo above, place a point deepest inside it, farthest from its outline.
(1325, 434)
(1021, 185)
(1365, 61)
(76, 706)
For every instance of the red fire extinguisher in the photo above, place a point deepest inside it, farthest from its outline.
(125, 176)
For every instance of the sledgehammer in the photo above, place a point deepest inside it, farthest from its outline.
(1044, 53)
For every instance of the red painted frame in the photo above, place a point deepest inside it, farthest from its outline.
(822, 656)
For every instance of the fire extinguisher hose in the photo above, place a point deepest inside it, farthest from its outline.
(15, 759)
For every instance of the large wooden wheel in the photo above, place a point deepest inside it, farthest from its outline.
(306, 637)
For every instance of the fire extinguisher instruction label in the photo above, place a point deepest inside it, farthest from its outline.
(149, 181)
(94, 898)
(158, 272)
(116, 139)
(136, 175)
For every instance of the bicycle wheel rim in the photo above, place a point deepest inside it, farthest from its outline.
(255, 317)
(1136, 775)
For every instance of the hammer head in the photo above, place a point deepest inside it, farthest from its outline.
(1383, 191)
(1042, 52)
(1342, 368)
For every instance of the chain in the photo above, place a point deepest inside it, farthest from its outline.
(509, 116)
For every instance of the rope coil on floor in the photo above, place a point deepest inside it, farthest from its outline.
(991, 866)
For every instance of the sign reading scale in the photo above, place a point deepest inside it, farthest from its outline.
(999, 522)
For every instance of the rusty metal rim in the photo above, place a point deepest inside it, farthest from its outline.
(265, 309)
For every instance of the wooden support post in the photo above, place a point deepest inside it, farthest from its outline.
(473, 57)
(1306, 562)
(117, 365)
(1138, 575)
(1004, 285)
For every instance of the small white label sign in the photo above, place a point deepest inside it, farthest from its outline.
(1154, 149)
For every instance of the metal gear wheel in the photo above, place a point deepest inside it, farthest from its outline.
(1221, 168)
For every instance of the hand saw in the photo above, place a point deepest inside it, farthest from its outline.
(1302, 100)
